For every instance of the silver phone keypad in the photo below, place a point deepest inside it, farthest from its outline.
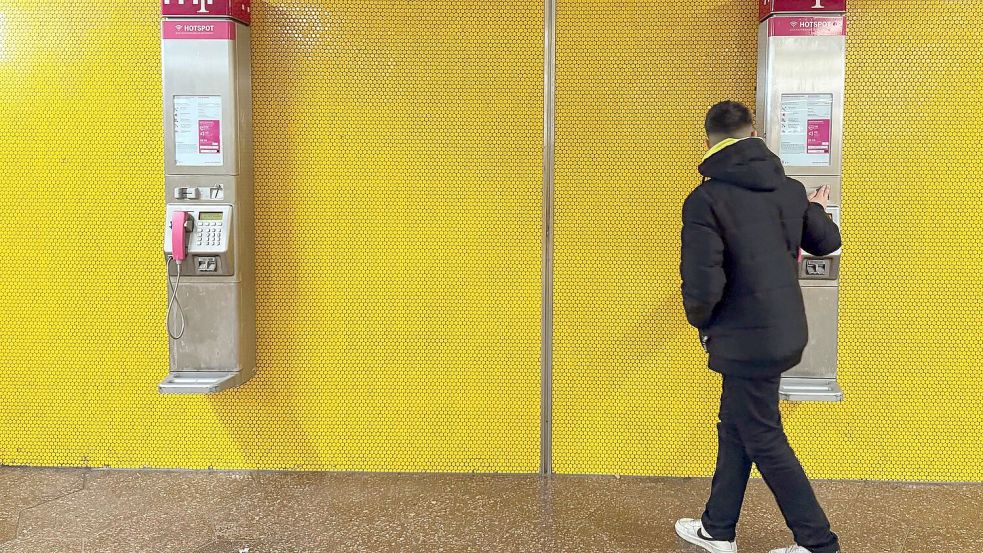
(208, 235)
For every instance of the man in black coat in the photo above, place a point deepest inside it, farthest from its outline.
(742, 230)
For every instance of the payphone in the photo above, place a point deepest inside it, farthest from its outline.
(801, 78)
(208, 187)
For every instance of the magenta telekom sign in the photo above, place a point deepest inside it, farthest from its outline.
(235, 9)
(768, 7)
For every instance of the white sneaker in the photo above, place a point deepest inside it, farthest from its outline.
(791, 549)
(693, 532)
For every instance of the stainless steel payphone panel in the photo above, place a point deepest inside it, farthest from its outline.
(801, 78)
(208, 183)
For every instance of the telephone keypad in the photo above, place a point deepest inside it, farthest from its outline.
(208, 235)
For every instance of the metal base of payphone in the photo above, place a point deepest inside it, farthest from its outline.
(810, 389)
(216, 351)
(199, 382)
(814, 379)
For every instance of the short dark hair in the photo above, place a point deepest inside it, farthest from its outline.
(728, 119)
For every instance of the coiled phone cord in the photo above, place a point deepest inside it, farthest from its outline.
(172, 300)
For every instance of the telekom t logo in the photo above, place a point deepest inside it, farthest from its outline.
(203, 4)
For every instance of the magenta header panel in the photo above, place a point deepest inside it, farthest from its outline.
(806, 25)
(203, 29)
(239, 10)
(771, 7)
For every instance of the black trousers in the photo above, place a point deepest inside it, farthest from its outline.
(750, 431)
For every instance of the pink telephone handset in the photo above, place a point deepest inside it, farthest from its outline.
(181, 225)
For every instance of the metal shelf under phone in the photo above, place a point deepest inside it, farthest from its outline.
(199, 382)
(810, 389)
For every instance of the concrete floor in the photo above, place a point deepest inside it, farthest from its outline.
(67, 510)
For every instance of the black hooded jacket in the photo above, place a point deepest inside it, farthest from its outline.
(742, 230)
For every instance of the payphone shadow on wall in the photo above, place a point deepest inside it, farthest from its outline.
(208, 185)
(801, 79)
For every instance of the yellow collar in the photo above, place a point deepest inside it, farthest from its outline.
(721, 145)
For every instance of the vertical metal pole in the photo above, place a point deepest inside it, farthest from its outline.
(546, 356)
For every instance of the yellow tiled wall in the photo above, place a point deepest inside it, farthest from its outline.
(631, 394)
(398, 160)
(399, 199)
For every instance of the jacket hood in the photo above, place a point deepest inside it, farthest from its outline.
(746, 163)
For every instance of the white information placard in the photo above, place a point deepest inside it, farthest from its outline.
(806, 128)
(198, 130)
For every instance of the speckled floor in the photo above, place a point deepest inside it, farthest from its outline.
(67, 510)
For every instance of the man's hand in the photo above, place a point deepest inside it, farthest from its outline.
(820, 196)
